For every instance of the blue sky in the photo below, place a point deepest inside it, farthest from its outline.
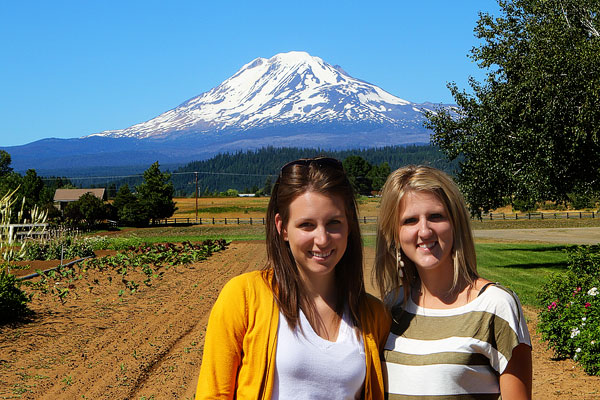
(72, 68)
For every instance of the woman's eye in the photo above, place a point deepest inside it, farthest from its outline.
(436, 217)
(409, 221)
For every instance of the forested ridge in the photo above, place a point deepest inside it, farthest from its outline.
(245, 170)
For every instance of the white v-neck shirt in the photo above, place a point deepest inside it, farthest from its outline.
(310, 367)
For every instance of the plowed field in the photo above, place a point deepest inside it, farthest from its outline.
(148, 345)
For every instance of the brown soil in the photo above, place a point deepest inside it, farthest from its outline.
(149, 344)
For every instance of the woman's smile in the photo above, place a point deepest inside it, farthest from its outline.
(317, 233)
(425, 231)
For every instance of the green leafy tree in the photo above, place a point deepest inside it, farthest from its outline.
(92, 209)
(5, 161)
(530, 131)
(73, 214)
(357, 169)
(156, 193)
(31, 188)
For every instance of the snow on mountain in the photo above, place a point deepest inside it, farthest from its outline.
(289, 89)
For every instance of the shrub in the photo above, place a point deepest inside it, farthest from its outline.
(13, 302)
(570, 319)
(581, 201)
(524, 205)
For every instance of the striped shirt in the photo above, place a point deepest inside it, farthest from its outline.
(454, 354)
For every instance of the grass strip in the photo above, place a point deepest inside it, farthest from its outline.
(521, 267)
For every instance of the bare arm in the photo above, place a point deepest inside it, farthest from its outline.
(515, 381)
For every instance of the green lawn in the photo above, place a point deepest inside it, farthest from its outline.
(521, 267)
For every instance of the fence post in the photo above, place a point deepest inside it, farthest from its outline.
(213, 218)
(516, 216)
(225, 220)
(238, 221)
(250, 220)
(263, 220)
(579, 214)
(542, 215)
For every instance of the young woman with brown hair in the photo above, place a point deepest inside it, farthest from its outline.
(303, 327)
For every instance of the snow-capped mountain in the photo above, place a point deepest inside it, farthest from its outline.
(289, 91)
(291, 99)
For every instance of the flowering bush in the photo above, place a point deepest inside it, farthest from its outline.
(570, 319)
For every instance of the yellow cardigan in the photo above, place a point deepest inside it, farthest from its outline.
(241, 340)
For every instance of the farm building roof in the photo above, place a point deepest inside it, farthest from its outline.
(75, 194)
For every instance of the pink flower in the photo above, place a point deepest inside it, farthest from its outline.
(552, 306)
(587, 305)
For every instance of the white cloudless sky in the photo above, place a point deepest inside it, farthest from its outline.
(70, 68)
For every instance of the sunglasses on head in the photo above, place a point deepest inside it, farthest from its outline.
(319, 161)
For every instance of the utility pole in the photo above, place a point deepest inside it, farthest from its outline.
(195, 173)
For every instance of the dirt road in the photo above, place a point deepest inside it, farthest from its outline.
(546, 235)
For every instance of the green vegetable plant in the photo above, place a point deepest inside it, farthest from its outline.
(152, 260)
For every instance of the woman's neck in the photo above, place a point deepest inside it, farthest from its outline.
(320, 288)
(437, 289)
(321, 310)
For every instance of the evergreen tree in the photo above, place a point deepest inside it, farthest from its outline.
(378, 174)
(123, 197)
(357, 169)
(268, 186)
(155, 193)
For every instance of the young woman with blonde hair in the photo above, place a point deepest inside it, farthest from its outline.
(454, 334)
(304, 327)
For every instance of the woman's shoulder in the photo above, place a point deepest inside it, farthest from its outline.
(500, 297)
(253, 280)
(373, 305)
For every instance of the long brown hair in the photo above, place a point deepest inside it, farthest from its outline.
(325, 176)
(414, 179)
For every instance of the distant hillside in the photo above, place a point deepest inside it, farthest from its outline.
(244, 170)
(248, 170)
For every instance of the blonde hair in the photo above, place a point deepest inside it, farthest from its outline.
(415, 179)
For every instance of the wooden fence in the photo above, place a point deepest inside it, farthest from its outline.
(372, 220)
(230, 221)
(542, 215)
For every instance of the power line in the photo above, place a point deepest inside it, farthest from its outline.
(141, 175)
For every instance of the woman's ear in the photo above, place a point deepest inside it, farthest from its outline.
(280, 229)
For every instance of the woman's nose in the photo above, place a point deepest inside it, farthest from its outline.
(321, 236)
(424, 229)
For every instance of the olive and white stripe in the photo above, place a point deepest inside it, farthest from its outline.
(454, 353)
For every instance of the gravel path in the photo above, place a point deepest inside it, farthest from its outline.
(543, 235)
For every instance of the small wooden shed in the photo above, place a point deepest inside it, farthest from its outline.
(62, 197)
